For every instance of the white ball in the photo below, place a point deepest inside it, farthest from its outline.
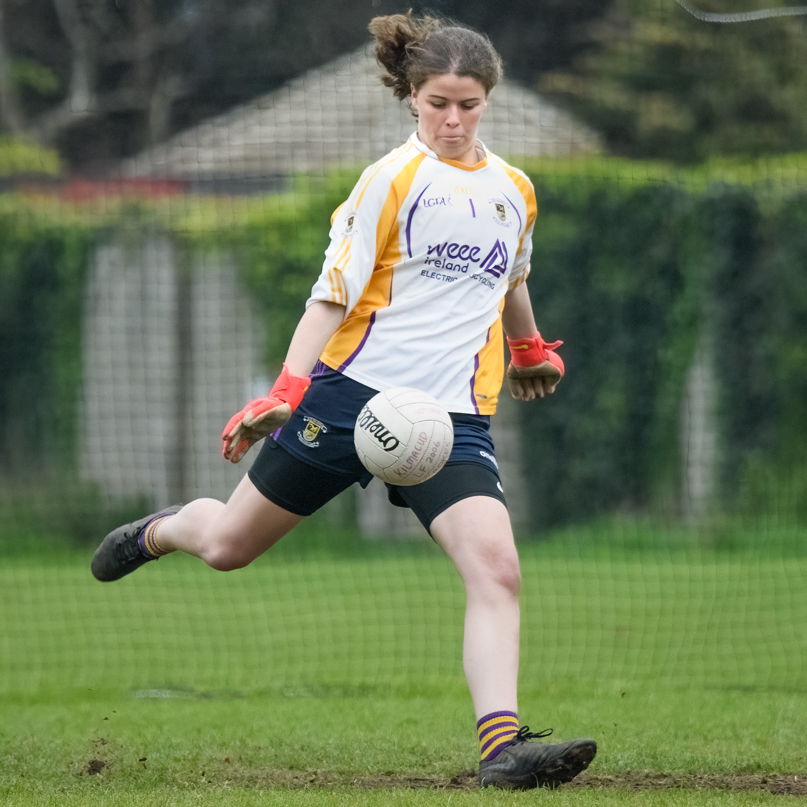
(403, 436)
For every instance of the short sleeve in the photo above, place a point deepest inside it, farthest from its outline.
(521, 264)
(355, 241)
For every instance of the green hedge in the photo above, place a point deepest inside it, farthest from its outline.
(632, 264)
(612, 277)
(631, 276)
(42, 271)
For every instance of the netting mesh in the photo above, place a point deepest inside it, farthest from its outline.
(659, 497)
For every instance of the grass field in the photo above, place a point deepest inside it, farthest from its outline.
(329, 673)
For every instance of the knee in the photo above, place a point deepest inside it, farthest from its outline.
(506, 574)
(223, 561)
(501, 572)
(225, 555)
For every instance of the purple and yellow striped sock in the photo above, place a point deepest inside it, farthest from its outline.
(148, 538)
(495, 731)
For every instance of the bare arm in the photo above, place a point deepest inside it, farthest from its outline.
(315, 328)
(517, 318)
(265, 415)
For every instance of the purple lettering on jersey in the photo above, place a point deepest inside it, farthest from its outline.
(409, 221)
(439, 249)
(517, 213)
(473, 209)
(356, 352)
(464, 252)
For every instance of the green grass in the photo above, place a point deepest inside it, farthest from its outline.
(331, 666)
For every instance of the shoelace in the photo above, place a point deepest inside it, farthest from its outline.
(525, 734)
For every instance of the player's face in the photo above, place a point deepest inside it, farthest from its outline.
(449, 108)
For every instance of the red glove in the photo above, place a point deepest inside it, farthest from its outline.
(535, 368)
(263, 415)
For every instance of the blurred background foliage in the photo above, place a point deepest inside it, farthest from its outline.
(690, 230)
(100, 80)
(635, 278)
(660, 84)
(631, 272)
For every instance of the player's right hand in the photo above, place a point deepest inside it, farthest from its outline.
(263, 416)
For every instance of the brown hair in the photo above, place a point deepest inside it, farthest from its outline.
(413, 49)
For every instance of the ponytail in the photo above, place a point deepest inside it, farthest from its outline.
(411, 50)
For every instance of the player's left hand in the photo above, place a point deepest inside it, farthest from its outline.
(535, 369)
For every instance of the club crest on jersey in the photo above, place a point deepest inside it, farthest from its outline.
(313, 428)
(349, 226)
(500, 212)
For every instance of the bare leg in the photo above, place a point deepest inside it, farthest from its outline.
(227, 536)
(476, 534)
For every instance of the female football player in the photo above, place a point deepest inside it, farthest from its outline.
(425, 271)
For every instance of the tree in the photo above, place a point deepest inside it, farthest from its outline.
(662, 84)
(101, 79)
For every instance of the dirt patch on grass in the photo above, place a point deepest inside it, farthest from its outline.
(779, 784)
(100, 760)
(94, 767)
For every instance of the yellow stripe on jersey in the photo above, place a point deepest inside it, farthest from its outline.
(342, 257)
(353, 330)
(338, 288)
(378, 292)
(388, 236)
(489, 374)
(464, 166)
(336, 212)
(528, 194)
(391, 157)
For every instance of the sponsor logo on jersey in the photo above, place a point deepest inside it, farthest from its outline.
(369, 423)
(501, 212)
(451, 249)
(495, 262)
(308, 436)
(490, 457)
(438, 276)
(451, 256)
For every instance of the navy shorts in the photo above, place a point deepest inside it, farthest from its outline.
(312, 458)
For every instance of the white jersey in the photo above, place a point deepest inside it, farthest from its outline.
(421, 255)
